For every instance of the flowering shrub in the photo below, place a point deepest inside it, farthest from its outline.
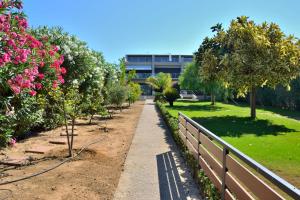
(33, 83)
(26, 64)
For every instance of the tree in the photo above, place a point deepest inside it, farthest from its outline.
(190, 78)
(160, 82)
(134, 92)
(209, 74)
(117, 95)
(208, 59)
(260, 55)
(171, 94)
(123, 71)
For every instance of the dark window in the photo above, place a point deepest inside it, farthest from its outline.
(175, 58)
(187, 58)
(162, 59)
(139, 58)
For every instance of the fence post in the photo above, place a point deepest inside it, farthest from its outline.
(225, 152)
(198, 149)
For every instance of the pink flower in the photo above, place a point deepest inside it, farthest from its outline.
(26, 84)
(6, 57)
(16, 89)
(51, 53)
(41, 76)
(55, 84)
(42, 64)
(38, 86)
(12, 142)
(32, 93)
(63, 70)
(55, 48)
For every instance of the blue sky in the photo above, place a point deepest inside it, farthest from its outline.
(119, 27)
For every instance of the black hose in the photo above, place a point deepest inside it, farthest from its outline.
(51, 168)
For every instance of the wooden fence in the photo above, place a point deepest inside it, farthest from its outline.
(224, 165)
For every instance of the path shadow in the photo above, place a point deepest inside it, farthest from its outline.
(233, 126)
(170, 186)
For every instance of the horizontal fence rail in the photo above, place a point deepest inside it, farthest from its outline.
(224, 165)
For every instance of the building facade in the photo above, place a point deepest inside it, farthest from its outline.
(147, 65)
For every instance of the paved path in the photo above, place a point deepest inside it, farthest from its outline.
(153, 167)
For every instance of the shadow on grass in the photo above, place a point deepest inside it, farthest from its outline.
(283, 112)
(293, 114)
(195, 107)
(233, 126)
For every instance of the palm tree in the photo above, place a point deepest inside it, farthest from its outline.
(160, 82)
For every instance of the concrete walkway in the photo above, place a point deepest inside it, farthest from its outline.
(153, 167)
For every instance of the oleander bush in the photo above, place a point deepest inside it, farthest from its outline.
(40, 69)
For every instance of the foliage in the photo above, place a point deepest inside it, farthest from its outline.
(260, 55)
(248, 56)
(274, 132)
(280, 97)
(26, 63)
(208, 58)
(6, 129)
(171, 94)
(117, 95)
(159, 97)
(122, 71)
(28, 66)
(160, 82)
(190, 78)
(207, 188)
(134, 92)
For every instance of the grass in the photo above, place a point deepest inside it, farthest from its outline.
(273, 139)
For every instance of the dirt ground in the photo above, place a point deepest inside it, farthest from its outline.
(92, 175)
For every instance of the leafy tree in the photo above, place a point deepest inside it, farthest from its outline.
(260, 55)
(208, 59)
(190, 78)
(117, 95)
(92, 104)
(134, 92)
(171, 94)
(123, 71)
(160, 82)
(209, 74)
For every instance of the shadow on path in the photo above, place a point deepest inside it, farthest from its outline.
(170, 186)
(173, 185)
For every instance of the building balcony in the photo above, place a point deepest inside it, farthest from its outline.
(142, 75)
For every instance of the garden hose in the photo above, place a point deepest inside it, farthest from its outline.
(51, 168)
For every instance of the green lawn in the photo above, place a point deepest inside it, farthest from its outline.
(273, 139)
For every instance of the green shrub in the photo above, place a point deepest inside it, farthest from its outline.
(134, 92)
(117, 95)
(6, 130)
(159, 97)
(171, 94)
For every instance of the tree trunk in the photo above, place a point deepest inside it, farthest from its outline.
(253, 102)
(67, 130)
(213, 99)
(171, 103)
(90, 122)
(72, 134)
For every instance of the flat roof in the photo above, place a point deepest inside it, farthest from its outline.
(158, 55)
